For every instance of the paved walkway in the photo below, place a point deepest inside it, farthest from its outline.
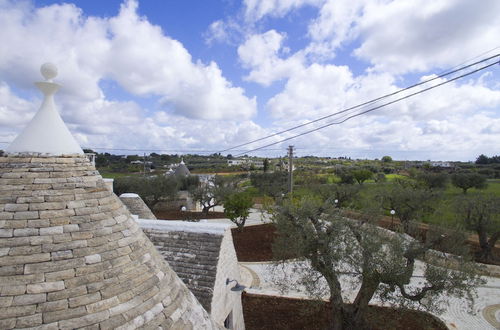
(255, 218)
(260, 278)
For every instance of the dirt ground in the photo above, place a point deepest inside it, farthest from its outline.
(265, 312)
(180, 215)
(254, 243)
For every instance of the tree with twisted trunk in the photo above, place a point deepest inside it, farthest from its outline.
(378, 262)
(212, 193)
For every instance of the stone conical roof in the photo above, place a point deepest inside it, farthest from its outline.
(136, 206)
(72, 256)
(182, 170)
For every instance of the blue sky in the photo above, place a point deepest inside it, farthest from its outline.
(186, 76)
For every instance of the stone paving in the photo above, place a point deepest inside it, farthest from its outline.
(260, 279)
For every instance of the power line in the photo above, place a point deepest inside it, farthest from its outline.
(442, 75)
(374, 108)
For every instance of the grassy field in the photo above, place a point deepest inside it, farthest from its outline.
(443, 215)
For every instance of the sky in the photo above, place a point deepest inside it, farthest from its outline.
(195, 76)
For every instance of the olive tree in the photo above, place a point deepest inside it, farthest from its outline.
(340, 195)
(362, 175)
(213, 192)
(465, 181)
(151, 189)
(431, 180)
(343, 255)
(481, 213)
(408, 201)
(237, 208)
(271, 184)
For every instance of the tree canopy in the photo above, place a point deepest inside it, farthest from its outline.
(271, 183)
(237, 208)
(483, 159)
(212, 193)
(151, 189)
(465, 181)
(362, 175)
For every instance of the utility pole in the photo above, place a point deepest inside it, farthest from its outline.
(144, 164)
(290, 169)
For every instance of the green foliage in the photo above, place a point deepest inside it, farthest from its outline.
(270, 184)
(409, 201)
(344, 194)
(362, 175)
(481, 213)
(266, 165)
(465, 181)
(380, 262)
(151, 189)
(380, 177)
(430, 180)
(237, 208)
(189, 182)
(483, 159)
(214, 192)
(346, 176)
(387, 159)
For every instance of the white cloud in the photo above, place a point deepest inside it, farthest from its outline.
(126, 48)
(257, 9)
(416, 35)
(430, 125)
(261, 54)
(15, 112)
(319, 90)
(333, 27)
(217, 32)
(156, 64)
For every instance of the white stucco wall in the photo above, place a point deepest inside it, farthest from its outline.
(224, 300)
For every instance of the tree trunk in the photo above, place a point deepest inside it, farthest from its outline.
(337, 317)
(205, 210)
(358, 310)
(486, 253)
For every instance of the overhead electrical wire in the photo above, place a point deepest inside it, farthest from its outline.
(442, 75)
(377, 107)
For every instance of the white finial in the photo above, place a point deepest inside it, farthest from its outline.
(49, 71)
(46, 132)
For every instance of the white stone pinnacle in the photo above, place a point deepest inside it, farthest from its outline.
(46, 133)
(49, 71)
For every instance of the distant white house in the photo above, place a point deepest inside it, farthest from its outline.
(137, 162)
(441, 164)
(245, 162)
